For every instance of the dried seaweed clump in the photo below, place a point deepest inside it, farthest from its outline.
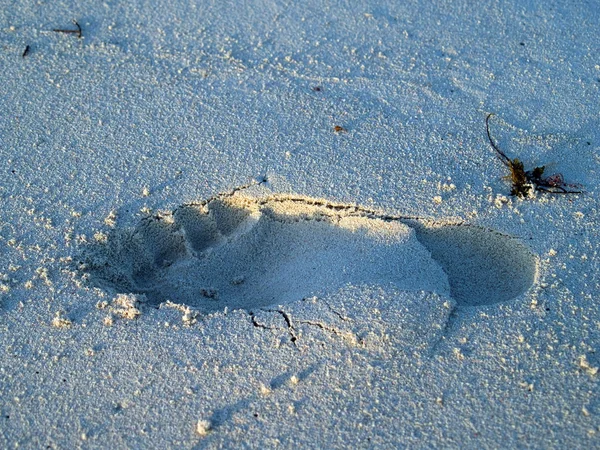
(526, 182)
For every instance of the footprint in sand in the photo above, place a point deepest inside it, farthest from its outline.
(245, 253)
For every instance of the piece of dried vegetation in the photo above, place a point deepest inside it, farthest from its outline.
(526, 182)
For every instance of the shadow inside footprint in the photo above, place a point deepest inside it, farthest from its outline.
(483, 266)
(246, 253)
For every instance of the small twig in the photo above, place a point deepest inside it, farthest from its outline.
(77, 31)
(505, 159)
(26, 51)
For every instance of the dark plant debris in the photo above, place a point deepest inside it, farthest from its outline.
(524, 183)
(77, 31)
(26, 51)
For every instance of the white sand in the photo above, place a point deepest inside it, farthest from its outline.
(380, 289)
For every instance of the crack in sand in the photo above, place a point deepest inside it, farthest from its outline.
(342, 317)
(346, 335)
(288, 320)
(290, 324)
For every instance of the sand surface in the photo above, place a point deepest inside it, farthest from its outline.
(279, 224)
